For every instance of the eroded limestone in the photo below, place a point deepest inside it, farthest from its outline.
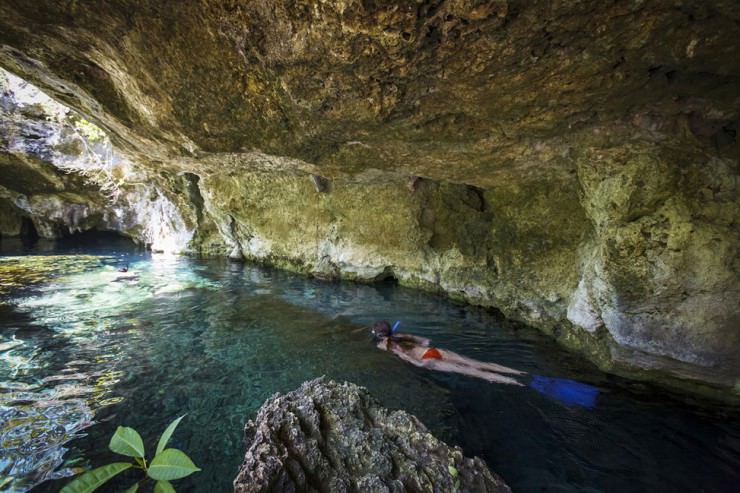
(336, 437)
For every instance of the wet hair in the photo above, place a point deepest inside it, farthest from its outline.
(381, 329)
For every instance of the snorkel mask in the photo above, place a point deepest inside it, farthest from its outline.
(383, 329)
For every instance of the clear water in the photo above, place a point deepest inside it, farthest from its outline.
(80, 355)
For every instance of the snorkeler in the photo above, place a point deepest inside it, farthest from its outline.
(418, 351)
(123, 275)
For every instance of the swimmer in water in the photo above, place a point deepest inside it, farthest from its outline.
(418, 351)
(123, 275)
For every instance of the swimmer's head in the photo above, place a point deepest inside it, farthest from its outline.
(381, 329)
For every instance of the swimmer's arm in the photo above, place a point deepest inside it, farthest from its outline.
(413, 359)
(410, 358)
(420, 341)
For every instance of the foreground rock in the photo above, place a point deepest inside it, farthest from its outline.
(335, 437)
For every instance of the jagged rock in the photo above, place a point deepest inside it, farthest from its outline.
(320, 184)
(327, 436)
(236, 254)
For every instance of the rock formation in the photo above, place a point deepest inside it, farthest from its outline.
(327, 436)
(60, 175)
(573, 164)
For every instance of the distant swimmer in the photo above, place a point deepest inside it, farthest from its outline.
(419, 352)
(123, 275)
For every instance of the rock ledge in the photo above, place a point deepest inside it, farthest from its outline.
(327, 436)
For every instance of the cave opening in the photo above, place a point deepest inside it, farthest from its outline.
(387, 277)
(28, 234)
(68, 175)
(95, 238)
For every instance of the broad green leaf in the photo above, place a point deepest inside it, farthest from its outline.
(171, 464)
(452, 470)
(127, 441)
(167, 434)
(132, 489)
(163, 487)
(91, 480)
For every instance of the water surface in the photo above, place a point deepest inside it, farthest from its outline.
(81, 354)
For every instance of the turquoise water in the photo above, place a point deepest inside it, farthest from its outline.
(81, 354)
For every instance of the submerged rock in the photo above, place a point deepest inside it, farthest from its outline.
(327, 436)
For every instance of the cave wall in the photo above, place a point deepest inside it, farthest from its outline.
(628, 261)
(32, 137)
(458, 90)
(574, 164)
(11, 221)
(60, 175)
(661, 271)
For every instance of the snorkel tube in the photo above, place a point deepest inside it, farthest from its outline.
(394, 328)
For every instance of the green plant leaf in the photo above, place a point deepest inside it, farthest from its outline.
(132, 489)
(91, 480)
(163, 487)
(171, 464)
(167, 434)
(127, 441)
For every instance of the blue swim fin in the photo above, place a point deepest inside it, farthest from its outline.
(569, 392)
(395, 326)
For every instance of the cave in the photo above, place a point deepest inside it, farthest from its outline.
(93, 238)
(558, 172)
(28, 234)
